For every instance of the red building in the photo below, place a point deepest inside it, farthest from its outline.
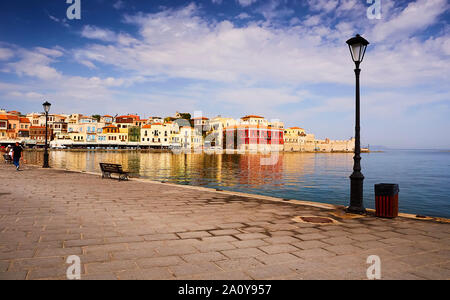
(253, 138)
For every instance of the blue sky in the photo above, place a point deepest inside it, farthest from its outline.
(283, 59)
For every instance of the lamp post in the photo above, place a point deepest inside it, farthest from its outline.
(357, 46)
(46, 106)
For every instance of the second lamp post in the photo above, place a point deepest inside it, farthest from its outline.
(357, 47)
(46, 106)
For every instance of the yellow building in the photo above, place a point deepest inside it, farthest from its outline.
(156, 135)
(294, 139)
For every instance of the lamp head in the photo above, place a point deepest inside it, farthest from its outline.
(357, 46)
(46, 106)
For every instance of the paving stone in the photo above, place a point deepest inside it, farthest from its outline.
(343, 249)
(120, 265)
(39, 262)
(180, 250)
(279, 248)
(271, 259)
(4, 265)
(432, 272)
(314, 252)
(232, 275)
(80, 243)
(192, 234)
(48, 273)
(147, 274)
(309, 244)
(194, 269)
(250, 236)
(104, 276)
(225, 232)
(134, 254)
(15, 275)
(239, 264)
(281, 240)
(47, 252)
(424, 259)
(208, 247)
(159, 262)
(241, 253)
(311, 236)
(250, 243)
(270, 272)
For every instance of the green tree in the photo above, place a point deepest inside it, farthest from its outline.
(97, 117)
(186, 116)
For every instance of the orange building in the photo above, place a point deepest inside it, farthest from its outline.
(37, 133)
(24, 127)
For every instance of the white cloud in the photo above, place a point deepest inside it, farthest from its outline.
(35, 63)
(119, 4)
(323, 5)
(93, 32)
(417, 16)
(246, 3)
(182, 44)
(6, 53)
(243, 16)
(62, 21)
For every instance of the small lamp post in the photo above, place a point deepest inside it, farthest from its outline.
(357, 46)
(46, 106)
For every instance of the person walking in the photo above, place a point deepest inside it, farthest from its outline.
(17, 155)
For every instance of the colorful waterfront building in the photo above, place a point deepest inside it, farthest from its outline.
(294, 139)
(3, 126)
(253, 138)
(253, 120)
(24, 127)
(107, 119)
(13, 126)
(37, 134)
(111, 133)
(134, 133)
(190, 138)
(126, 121)
(153, 120)
(156, 135)
(214, 137)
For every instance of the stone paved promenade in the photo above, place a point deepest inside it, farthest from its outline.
(141, 230)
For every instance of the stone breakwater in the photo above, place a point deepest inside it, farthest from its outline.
(143, 230)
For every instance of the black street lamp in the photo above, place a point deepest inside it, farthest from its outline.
(357, 46)
(46, 106)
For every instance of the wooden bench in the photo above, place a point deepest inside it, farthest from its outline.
(7, 158)
(108, 169)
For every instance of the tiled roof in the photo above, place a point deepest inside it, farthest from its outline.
(10, 117)
(252, 116)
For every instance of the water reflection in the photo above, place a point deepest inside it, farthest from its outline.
(224, 170)
(323, 177)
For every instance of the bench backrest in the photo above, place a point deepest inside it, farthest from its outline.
(111, 168)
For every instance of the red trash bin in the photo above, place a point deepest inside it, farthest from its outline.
(386, 200)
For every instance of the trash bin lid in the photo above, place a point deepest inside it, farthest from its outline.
(386, 189)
